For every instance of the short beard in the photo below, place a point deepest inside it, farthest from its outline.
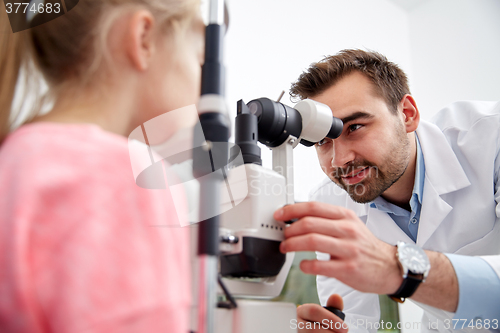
(380, 177)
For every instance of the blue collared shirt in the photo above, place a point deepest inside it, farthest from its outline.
(407, 221)
(479, 285)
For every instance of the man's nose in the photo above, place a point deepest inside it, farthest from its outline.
(341, 154)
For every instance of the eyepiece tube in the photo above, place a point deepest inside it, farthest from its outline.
(336, 129)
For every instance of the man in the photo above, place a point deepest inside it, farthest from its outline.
(431, 186)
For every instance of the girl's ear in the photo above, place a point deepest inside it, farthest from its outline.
(140, 39)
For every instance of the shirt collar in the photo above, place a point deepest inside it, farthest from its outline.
(418, 186)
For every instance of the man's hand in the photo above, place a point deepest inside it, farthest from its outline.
(308, 314)
(357, 257)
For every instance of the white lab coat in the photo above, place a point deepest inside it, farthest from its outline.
(460, 206)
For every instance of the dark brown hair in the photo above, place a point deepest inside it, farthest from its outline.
(389, 80)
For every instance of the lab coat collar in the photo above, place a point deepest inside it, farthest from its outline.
(443, 174)
(443, 169)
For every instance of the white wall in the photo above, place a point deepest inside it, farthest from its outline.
(269, 43)
(455, 47)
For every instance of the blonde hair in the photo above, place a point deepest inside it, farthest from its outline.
(69, 50)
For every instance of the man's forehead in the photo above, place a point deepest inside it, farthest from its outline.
(353, 93)
(351, 86)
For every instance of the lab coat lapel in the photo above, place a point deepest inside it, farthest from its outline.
(434, 210)
(384, 227)
(378, 222)
(443, 174)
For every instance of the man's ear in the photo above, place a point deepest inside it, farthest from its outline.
(411, 115)
(140, 39)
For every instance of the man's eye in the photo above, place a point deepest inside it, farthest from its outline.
(354, 127)
(322, 142)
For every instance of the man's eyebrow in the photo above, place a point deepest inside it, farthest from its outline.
(357, 115)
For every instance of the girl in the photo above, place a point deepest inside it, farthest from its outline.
(77, 249)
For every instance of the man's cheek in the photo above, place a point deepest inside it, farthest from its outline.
(324, 162)
(327, 169)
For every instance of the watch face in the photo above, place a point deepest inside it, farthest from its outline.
(414, 258)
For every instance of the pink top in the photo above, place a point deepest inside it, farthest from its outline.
(77, 249)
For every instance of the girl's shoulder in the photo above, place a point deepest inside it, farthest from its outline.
(58, 153)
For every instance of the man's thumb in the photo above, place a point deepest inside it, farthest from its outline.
(335, 301)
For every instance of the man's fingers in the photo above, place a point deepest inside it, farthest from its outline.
(325, 320)
(337, 269)
(317, 209)
(318, 225)
(316, 242)
(336, 301)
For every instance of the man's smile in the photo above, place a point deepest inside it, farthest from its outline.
(355, 176)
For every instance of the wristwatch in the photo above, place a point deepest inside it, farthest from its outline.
(415, 267)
